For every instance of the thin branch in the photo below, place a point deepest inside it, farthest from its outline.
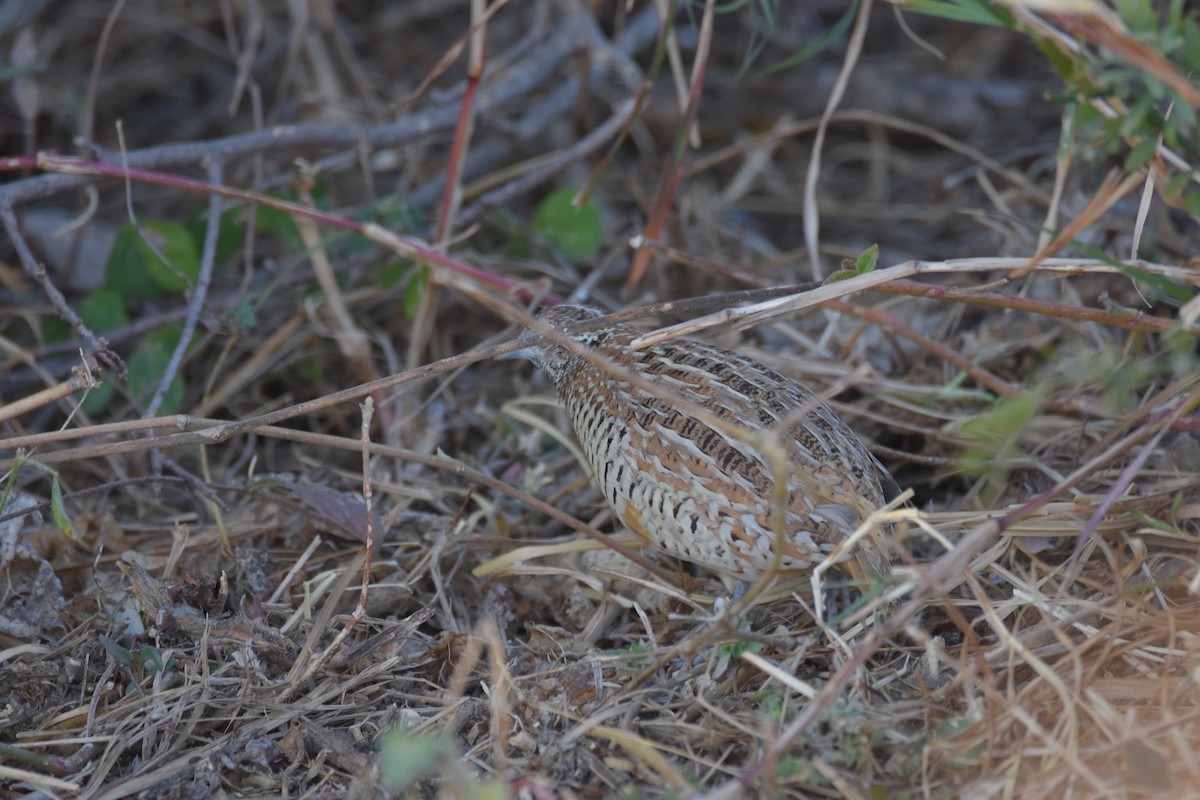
(99, 347)
(284, 140)
(812, 214)
(208, 256)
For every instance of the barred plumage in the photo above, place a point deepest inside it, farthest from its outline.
(691, 489)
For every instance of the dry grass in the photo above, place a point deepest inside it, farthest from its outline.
(1037, 638)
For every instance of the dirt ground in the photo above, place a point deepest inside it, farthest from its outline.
(181, 612)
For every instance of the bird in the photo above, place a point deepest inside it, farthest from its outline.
(684, 481)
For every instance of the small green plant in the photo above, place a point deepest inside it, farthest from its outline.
(996, 431)
(771, 701)
(1129, 78)
(141, 663)
(634, 656)
(951, 727)
(866, 260)
(863, 263)
(163, 259)
(736, 649)
(58, 510)
(994, 438)
(1170, 527)
(406, 758)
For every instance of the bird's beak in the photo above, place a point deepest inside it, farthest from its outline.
(525, 353)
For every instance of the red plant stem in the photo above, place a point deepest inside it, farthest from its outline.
(892, 323)
(1130, 320)
(672, 174)
(406, 246)
(452, 193)
(993, 382)
(639, 102)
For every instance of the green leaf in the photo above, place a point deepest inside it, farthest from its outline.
(1005, 420)
(737, 649)
(1138, 14)
(245, 314)
(973, 462)
(1176, 183)
(55, 330)
(844, 274)
(126, 272)
(18, 462)
(272, 220)
(389, 274)
(1137, 118)
(405, 757)
(1191, 202)
(1157, 524)
(319, 192)
(104, 311)
(97, 399)
(866, 260)
(1059, 61)
(119, 653)
(993, 432)
(577, 233)
(1170, 131)
(951, 726)
(230, 236)
(135, 270)
(311, 370)
(976, 12)
(59, 511)
(1165, 287)
(147, 365)
(176, 265)
(1140, 156)
(813, 48)
(417, 285)
(148, 656)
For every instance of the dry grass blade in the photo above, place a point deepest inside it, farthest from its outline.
(259, 588)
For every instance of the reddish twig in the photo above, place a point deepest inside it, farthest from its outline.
(452, 191)
(476, 63)
(672, 174)
(404, 245)
(639, 99)
(1129, 320)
